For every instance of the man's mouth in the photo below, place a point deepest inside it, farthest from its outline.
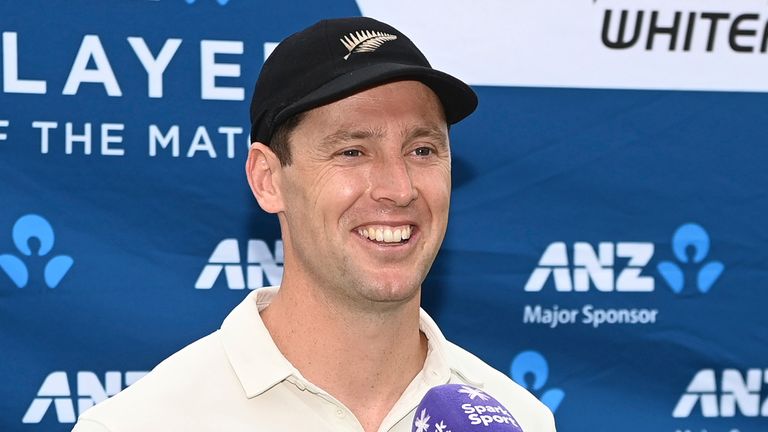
(386, 234)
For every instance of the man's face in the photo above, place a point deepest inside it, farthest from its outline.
(366, 197)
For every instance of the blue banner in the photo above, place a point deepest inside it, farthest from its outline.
(606, 246)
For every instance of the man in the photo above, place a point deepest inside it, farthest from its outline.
(351, 151)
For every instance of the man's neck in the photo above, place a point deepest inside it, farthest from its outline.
(364, 359)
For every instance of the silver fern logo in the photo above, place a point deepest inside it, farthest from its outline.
(365, 41)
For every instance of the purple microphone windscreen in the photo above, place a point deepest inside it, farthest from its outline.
(462, 408)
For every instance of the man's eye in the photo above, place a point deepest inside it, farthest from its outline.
(423, 151)
(352, 153)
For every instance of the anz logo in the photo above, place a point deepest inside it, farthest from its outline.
(26, 229)
(55, 394)
(531, 370)
(737, 392)
(595, 267)
(261, 265)
(691, 236)
(599, 268)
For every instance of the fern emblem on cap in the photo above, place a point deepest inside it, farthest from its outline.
(365, 41)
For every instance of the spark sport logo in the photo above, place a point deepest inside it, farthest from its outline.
(619, 268)
(684, 30)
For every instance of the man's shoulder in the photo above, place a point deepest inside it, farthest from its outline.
(526, 408)
(180, 382)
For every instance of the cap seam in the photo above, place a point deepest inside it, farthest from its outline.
(327, 43)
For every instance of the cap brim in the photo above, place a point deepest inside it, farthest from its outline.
(458, 99)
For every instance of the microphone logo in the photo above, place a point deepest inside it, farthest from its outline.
(459, 407)
(473, 393)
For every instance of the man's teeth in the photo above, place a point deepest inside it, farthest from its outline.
(386, 235)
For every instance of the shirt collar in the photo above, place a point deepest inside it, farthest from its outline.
(441, 356)
(256, 360)
(259, 364)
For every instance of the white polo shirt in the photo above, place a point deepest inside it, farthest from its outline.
(236, 380)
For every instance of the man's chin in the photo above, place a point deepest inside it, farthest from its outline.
(389, 293)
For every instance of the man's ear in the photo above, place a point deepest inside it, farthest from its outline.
(263, 170)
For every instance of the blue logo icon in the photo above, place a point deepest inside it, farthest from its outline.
(30, 227)
(221, 2)
(690, 244)
(532, 363)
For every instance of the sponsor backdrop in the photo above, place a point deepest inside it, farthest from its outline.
(607, 242)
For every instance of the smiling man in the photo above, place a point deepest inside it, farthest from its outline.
(351, 152)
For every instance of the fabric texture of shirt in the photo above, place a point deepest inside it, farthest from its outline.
(237, 380)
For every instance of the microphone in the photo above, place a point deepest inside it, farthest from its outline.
(462, 408)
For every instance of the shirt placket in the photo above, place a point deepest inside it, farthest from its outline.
(336, 415)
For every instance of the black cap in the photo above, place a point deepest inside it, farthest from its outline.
(336, 58)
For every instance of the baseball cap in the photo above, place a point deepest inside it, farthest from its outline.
(336, 58)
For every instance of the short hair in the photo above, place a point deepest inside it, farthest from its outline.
(280, 140)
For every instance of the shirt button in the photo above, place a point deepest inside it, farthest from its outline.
(339, 413)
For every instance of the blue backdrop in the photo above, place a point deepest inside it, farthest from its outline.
(606, 247)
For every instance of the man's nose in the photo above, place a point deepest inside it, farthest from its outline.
(391, 181)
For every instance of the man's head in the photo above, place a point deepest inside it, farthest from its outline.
(334, 59)
(363, 196)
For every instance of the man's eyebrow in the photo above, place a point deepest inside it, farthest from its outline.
(342, 136)
(437, 135)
